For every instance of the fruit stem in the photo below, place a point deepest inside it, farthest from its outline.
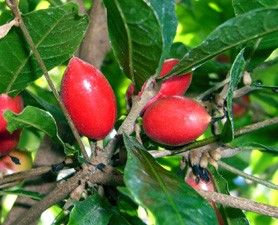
(13, 5)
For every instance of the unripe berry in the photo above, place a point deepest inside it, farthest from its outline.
(89, 99)
(175, 120)
(7, 166)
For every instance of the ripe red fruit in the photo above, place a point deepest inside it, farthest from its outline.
(7, 166)
(240, 106)
(89, 99)
(8, 141)
(205, 186)
(176, 85)
(175, 120)
(9, 103)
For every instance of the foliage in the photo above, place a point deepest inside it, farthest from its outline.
(142, 34)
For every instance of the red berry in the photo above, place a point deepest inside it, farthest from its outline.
(176, 85)
(7, 166)
(175, 120)
(205, 186)
(8, 141)
(89, 99)
(9, 103)
(240, 106)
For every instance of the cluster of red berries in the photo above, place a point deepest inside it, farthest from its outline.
(9, 141)
(169, 118)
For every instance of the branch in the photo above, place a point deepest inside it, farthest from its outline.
(63, 189)
(128, 124)
(215, 139)
(247, 176)
(240, 203)
(13, 5)
(96, 42)
(25, 174)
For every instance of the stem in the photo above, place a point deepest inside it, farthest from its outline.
(63, 189)
(213, 89)
(25, 175)
(241, 203)
(13, 4)
(247, 176)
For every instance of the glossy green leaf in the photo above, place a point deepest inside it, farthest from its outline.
(259, 50)
(232, 216)
(93, 210)
(56, 32)
(243, 6)
(34, 117)
(234, 32)
(167, 197)
(165, 10)
(136, 37)
(236, 72)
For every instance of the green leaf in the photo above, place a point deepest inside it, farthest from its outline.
(34, 117)
(243, 6)
(91, 211)
(136, 37)
(234, 32)
(263, 147)
(264, 139)
(168, 198)
(22, 192)
(56, 32)
(261, 49)
(232, 216)
(165, 10)
(236, 72)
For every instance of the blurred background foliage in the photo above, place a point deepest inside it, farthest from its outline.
(196, 19)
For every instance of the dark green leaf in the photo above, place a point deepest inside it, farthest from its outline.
(136, 37)
(34, 117)
(243, 6)
(236, 72)
(261, 49)
(91, 211)
(165, 10)
(232, 216)
(22, 192)
(168, 198)
(232, 33)
(56, 32)
(178, 50)
(262, 147)
(262, 139)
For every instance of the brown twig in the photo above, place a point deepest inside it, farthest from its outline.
(63, 189)
(241, 203)
(247, 176)
(127, 126)
(96, 42)
(25, 174)
(13, 5)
